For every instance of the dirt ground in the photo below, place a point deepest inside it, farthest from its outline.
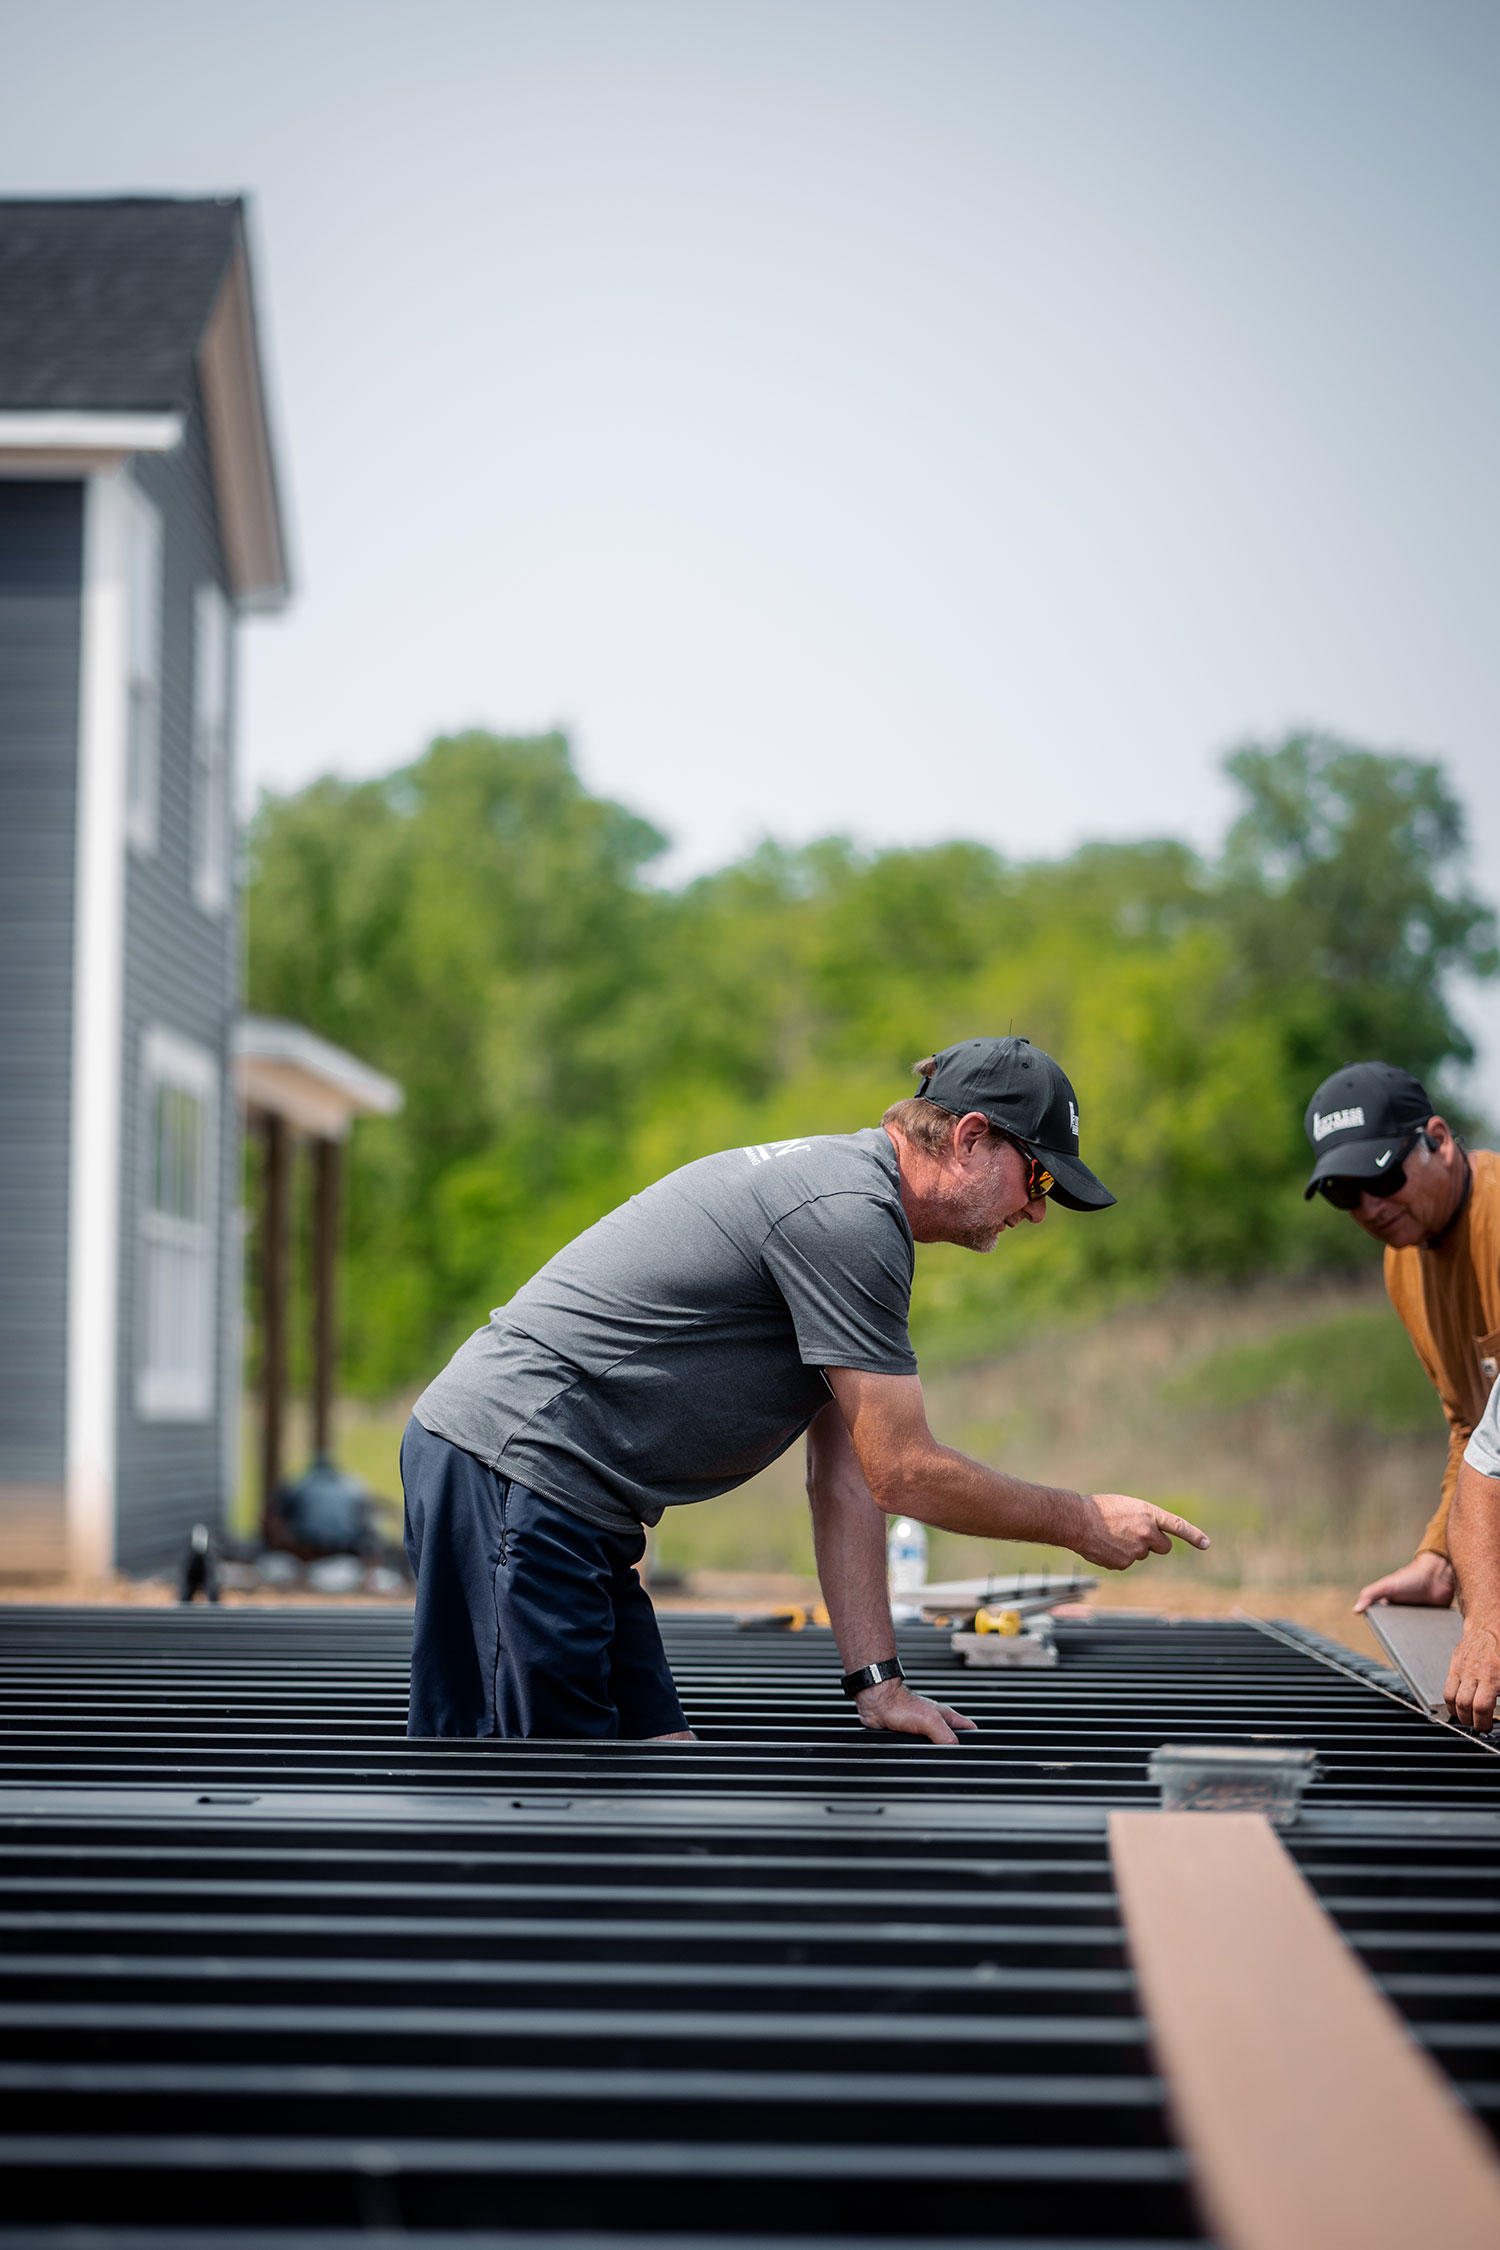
(120, 1592)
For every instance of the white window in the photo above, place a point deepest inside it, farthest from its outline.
(211, 809)
(179, 1107)
(143, 671)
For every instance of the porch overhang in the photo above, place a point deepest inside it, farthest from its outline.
(48, 444)
(283, 1070)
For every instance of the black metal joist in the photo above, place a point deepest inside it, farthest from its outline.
(267, 1968)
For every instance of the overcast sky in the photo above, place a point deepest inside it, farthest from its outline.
(910, 419)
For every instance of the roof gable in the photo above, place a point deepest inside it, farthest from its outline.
(139, 306)
(102, 305)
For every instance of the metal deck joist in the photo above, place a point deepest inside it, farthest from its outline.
(266, 1965)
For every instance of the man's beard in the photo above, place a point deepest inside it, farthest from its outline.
(976, 1229)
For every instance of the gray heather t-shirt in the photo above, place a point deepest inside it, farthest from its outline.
(675, 1348)
(1483, 1449)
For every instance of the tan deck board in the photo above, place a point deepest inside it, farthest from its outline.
(1311, 2117)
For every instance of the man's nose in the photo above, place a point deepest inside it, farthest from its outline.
(1036, 1210)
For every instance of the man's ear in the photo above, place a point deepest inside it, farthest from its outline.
(969, 1132)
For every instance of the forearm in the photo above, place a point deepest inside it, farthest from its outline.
(907, 1472)
(849, 1541)
(951, 1492)
(947, 1489)
(1474, 1547)
(1473, 1684)
(849, 1546)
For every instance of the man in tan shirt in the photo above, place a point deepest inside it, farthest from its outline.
(1385, 1157)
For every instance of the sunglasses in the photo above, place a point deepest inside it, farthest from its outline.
(1038, 1178)
(1347, 1193)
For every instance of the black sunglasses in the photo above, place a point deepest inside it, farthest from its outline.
(1346, 1193)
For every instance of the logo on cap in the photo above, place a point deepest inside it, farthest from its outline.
(1337, 1121)
(1073, 1118)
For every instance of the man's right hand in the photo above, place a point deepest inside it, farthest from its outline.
(1474, 1677)
(1426, 1582)
(1118, 1531)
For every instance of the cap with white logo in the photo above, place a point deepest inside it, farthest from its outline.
(1361, 1120)
(1026, 1095)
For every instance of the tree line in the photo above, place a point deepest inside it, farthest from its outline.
(484, 929)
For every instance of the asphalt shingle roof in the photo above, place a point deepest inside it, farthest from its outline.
(103, 302)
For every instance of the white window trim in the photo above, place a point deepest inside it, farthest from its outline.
(98, 1002)
(143, 752)
(161, 1394)
(211, 781)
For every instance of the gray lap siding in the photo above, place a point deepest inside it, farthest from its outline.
(41, 562)
(181, 975)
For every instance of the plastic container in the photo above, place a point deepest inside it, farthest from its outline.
(906, 1568)
(1233, 1777)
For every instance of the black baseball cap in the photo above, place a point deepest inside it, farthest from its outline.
(1362, 1119)
(1026, 1096)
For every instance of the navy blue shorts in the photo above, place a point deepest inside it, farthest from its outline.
(529, 1620)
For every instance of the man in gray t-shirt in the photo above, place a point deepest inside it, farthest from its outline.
(678, 1346)
(683, 1343)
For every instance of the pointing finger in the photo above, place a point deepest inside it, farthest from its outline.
(1180, 1528)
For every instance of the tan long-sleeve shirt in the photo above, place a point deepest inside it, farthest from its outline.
(1448, 1299)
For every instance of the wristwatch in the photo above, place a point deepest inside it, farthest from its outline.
(871, 1675)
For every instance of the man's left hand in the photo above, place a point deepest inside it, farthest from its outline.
(891, 1708)
(1425, 1582)
(1474, 1677)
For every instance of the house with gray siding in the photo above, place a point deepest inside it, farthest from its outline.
(139, 521)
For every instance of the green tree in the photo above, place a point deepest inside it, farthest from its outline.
(1342, 883)
(479, 926)
(474, 925)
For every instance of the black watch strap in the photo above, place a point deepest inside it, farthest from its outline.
(871, 1675)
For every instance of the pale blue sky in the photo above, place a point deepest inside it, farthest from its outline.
(944, 417)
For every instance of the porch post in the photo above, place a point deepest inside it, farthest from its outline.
(273, 1265)
(326, 1185)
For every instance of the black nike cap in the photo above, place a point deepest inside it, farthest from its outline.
(1026, 1096)
(1361, 1119)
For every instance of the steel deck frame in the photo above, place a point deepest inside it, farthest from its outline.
(268, 1971)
